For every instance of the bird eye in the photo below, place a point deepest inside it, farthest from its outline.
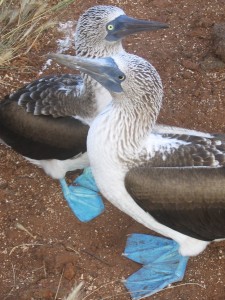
(110, 27)
(121, 77)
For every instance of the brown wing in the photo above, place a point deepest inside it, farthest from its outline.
(188, 200)
(51, 95)
(41, 137)
(196, 151)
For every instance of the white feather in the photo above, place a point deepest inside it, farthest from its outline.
(57, 168)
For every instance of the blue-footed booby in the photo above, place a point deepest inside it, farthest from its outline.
(41, 121)
(171, 182)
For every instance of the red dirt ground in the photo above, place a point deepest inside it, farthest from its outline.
(59, 250)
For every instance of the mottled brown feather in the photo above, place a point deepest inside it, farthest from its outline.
(198, 151)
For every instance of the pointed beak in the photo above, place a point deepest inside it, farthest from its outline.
(125, 25)
(86, 65)
(103, 70)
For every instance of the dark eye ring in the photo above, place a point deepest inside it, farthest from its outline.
(121, 77)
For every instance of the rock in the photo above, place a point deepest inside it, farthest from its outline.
(203, 22)
(212, 63)
(199, 33)
(69, 271)
(219, 40)
(187, 75)
(188, 64)
(64, 259)
(161, 3)
(197, 92)
(3, 184)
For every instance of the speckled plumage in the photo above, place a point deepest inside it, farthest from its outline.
(74, 95)
(94, 20)
(124, 141)
(178, 150)
(87, 98)
(47, 99)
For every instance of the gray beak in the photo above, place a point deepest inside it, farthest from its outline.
(124, 25)
(103, 70)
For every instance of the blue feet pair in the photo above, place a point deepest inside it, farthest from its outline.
(162, 264)
(83, 196)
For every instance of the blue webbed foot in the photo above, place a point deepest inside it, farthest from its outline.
(83, 197)
(162, 264)
(87, 180)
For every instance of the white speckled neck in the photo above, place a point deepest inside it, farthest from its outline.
(115, 143)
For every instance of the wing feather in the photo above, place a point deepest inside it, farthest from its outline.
(188, 200)
(51, 95)
(41, 137)
(182, 150)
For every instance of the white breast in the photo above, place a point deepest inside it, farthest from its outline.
(109, 173)
(103, 97)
